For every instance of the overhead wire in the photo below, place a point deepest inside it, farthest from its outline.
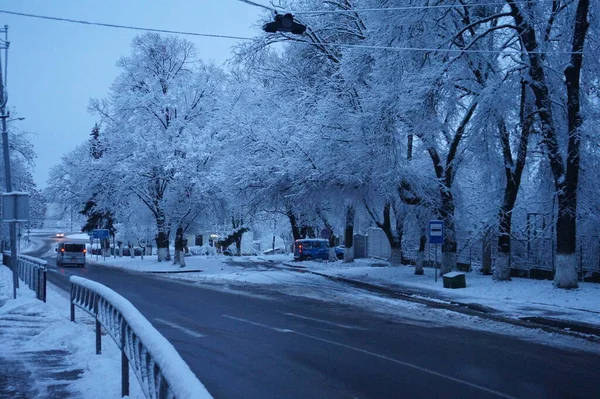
(257, 5)
(107, 25)
(373, 47)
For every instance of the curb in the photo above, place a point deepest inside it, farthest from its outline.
(580, 330)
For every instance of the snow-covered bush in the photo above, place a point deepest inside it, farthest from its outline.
(202, 250)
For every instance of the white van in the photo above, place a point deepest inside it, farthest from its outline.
(70, 253)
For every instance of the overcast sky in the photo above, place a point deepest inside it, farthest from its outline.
(54, 68)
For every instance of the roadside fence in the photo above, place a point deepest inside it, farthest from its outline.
(32, 271)
(160, 370)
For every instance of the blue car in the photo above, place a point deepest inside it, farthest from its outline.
(340, 250)
(311, 248)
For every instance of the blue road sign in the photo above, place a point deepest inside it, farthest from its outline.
(436, 231)
(100, 234)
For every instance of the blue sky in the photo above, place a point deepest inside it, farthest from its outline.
(54, 68)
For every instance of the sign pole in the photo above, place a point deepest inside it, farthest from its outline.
(436, 237)
(435, 266)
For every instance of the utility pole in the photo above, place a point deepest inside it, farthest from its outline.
(4, 44)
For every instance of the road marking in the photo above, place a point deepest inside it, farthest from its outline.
(181, 328)
(379, 356)
(331, 323)
(257, 324)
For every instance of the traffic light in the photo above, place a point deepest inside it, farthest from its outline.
(284, 23)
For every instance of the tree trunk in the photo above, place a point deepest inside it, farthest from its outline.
(179, 255)
(349, 235)
(396, 247)
(395, 238)
(421, 255)
(106, 248)
(449, 246)
(513, 172)
(238, 245)
(502, 267)
(566, 178)
(294, 225)
(396, 254)
(566, 225)
(486, 256)
(162, 246)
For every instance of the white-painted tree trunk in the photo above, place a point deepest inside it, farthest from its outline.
(181, 258)
(332, 257)
(565, 275)
(502, 267)
(162, 254)
(349, 255)
(396, 257)
(419, 266)
(448, 262)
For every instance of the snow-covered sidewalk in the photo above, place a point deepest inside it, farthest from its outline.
(43, 354)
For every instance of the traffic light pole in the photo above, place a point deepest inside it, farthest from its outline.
(7, 172)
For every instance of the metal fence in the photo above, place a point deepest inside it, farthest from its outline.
(537, 252)
(32, 271)
(528, 251)
(160, 370)
(589, 254)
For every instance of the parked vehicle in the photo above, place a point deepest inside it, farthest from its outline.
(69, 253)
(311, 248)
(340, 250)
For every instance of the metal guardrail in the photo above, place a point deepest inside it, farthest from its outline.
(32, 271)
(161, 372)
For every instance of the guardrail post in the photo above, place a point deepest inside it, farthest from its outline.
(37, 282)
(72, 303)
(44, 286)
(124, 361)
(98, 327)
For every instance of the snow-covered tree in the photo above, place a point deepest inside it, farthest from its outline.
(157, 132)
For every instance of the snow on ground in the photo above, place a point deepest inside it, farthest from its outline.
(280, 271)
(100, 374)
(514, 297)
(517, 297)
(38, 327)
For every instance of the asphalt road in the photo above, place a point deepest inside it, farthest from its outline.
(260, 343)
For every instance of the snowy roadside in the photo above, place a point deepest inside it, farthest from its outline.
(44, 342)
(518, 298)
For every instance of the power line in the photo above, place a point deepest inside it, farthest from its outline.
(372, 47)
(257, 5)
(77, 21)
